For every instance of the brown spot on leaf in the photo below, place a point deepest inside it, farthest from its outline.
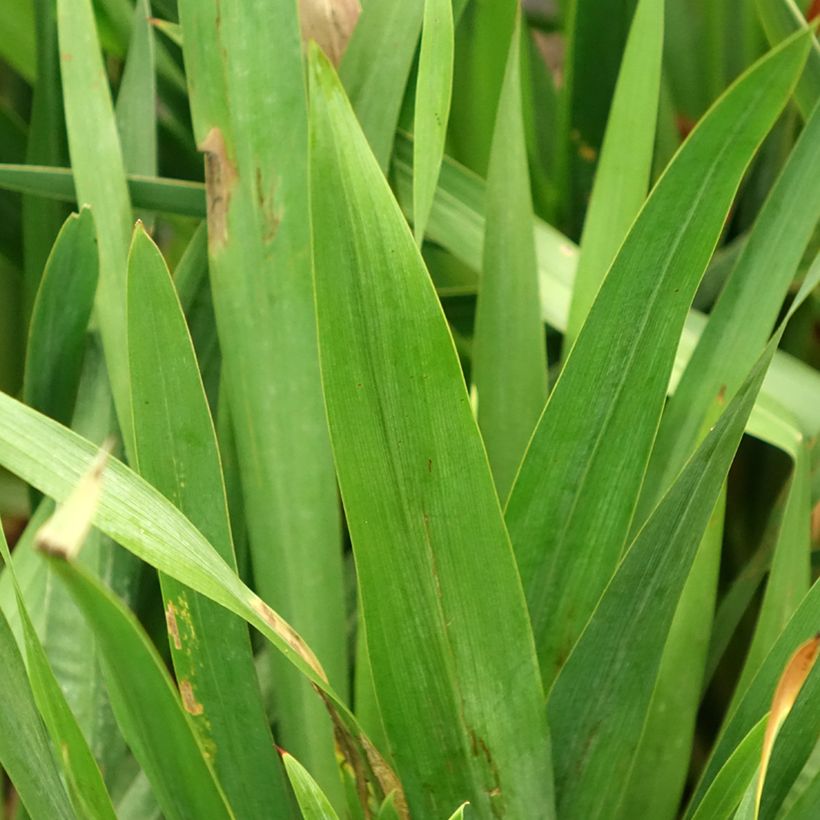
(291, 637)
(220, 178)
(330, 23)
(171, 621)
(189, 701)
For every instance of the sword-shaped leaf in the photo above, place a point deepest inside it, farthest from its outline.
(447, 630)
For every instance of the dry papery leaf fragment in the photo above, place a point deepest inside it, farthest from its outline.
(788, 688)
(65, 531)
(330, 23)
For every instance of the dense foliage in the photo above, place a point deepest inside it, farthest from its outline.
(466, 350)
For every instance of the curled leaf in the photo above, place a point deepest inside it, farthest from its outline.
(788, 688)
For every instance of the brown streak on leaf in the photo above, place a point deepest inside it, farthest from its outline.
(788, 688)
(330, 23)
(171, 621)
(220, 178)
(291, 637)
(189, 701)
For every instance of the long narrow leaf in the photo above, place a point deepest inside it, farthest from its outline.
(54, 459)
(146, 703)
(622, 175)
(54, 355)
(446, 625)
(96, 158)
(509, 351)
(570, 509)
(598, 705)
(259, 258)
(86, 787)
(176, 451)
(433, 91)
(26, 753)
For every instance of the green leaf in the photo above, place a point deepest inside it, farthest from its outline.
(47, 145)
(25, 750)
(259, 257)
(146, 702)
(622, 174)
(781, 18)
(313, 803)
(509, 363)
(136, 102)
(18, 45)
(457, 224)
(434, 89)
(96, 158)
(482, 47)
(176, 451)
(86, 787)
(658, 775)
(57, 340)
(596, 34)
(733, 779)
(29, 446)
(599, 702)
(580, 479)
(745, 312)
(446, 626)
(789, 575)
(376, 65)
(174, 196)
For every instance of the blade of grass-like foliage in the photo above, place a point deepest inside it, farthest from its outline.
(792, 732)
(173, 31)
(46, 145)
(313, 802)
(789, 573)
(68, 641)
(658, 775)
(805, 805)
(733, 779)
(434, 89)
(17, 35)
(26, 753)
(457, 223)
(780, 18)
(482, 48)
(176, 451)
(149, 193)
(745, 311)
(622, 174)
(598, 704)
(757, 697)
(54, 459)
(509, 364)
(596, 32)
(85, 783)
(580, 479)
(96, 159)
(146, 703)
(446, 625)
(259, 247)
(376, 66)
(65, 299)
(194, 292)
(136, 102)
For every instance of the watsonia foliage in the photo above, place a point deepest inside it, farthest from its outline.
(464, 350)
